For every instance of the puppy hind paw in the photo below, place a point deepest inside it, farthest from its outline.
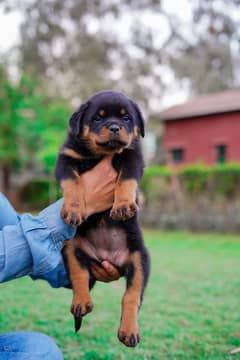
(81, 308)
(129, 339)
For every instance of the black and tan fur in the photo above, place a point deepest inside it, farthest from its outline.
(109, 123)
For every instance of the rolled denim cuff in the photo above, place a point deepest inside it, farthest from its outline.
(59, 229)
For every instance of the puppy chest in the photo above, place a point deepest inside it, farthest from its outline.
(106, 243)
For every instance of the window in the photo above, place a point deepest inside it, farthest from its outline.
(177, 155)
(221, 151)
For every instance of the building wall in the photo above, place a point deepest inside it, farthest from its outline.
(200, 136)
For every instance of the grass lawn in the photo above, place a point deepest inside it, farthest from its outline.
(191, 308)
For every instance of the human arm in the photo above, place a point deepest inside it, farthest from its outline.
(32, 245)
(8, 215)
(99, 197)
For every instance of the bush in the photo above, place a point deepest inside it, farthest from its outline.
(221, 180)
(39, 193)
(195, 197)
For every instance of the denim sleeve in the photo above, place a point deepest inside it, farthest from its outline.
(33, 247)
(8, 215)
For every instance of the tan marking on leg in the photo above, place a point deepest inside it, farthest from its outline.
(128, 332)
(70, 152)
(81, 303)
(74, 208)
(124, 205)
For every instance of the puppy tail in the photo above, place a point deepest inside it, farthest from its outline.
(77, 323)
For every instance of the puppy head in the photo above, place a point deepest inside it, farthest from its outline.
(108, 122)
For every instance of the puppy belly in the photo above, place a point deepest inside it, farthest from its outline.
(104, 243)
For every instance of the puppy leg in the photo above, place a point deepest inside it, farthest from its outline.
(137, 276)
(124, 205)
(74, 209)
(79, 277)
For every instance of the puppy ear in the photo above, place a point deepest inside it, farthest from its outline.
(77, 117)
(140, 120)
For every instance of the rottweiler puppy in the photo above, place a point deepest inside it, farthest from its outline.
(109, 123)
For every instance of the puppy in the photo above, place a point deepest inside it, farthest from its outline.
(109, 123)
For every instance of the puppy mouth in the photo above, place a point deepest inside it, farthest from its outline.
(112, 144)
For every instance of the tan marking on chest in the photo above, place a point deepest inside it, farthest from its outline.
(106, 243)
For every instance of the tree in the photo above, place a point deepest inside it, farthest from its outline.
(55, 120)
(82, 46)
(78, 47)
(208, 54)
(10, 107)
(31, 126)
(77, 50)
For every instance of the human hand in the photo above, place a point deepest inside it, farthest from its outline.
(105, 272)
(99, 185)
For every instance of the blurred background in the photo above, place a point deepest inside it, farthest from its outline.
(179, 60)
(54, 54)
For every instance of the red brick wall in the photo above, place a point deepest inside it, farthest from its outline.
(199, 137)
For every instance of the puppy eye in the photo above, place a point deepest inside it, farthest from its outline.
(126, 118)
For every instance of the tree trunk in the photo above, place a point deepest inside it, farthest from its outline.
(6, 176)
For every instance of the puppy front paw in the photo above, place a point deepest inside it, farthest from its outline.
(123, 210)
(72, 213)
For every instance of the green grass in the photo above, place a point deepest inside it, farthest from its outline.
(191, 308)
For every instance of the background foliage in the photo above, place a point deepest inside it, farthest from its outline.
(140, 47)
(68, 50)
(32, 127)
(196, 179)
(195, 197)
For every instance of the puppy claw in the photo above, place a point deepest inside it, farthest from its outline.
(133, 340)
(76, 310)
(125, 212)
(121, 336)
(127, 215)
(89, 308)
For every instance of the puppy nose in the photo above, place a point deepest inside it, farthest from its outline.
(114, 128)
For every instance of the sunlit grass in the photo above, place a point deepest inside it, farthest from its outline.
(191, 308)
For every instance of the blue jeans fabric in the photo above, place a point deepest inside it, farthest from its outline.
(23, 345)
